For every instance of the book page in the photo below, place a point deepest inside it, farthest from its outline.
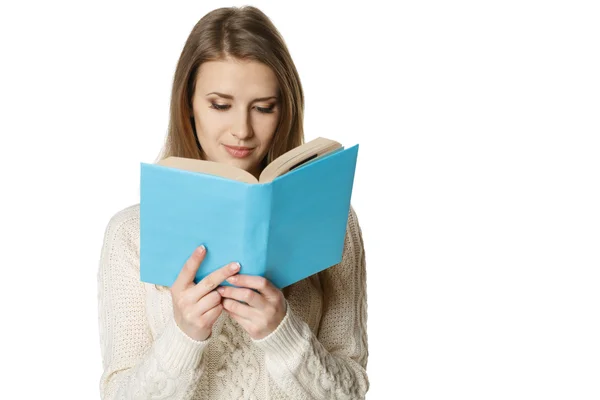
(208, 167)
(306, 152)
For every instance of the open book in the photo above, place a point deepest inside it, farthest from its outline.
(286, 162)
(287, 225)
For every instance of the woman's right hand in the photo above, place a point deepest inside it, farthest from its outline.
(196, 307)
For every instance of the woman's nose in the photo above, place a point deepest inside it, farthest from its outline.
(242, 129)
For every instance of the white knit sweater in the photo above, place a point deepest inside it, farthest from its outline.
(319, 351)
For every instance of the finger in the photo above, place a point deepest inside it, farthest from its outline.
(188, 272)
(207, 302)
(239, 309)
(211, 315)
(214, 279)
(255, 282)
(245, 323)
(249, 296)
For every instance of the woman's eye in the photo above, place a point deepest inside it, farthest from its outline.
(219, 106)
(223, 107)
(265, 110)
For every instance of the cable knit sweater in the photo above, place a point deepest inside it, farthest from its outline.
(319, 350)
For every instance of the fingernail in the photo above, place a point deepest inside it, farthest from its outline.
(221, 290)
(232, 279)
(235, 266)
(201, 249)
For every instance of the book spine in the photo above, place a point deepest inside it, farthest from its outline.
(256, 228)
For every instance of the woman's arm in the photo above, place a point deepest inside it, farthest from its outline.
(332, 364)
(134, 367)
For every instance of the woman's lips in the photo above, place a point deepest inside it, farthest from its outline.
(238, 152)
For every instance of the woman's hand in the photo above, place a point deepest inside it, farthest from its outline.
(264, 310)
(196, 307)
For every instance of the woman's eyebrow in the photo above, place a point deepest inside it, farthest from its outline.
(228, 96)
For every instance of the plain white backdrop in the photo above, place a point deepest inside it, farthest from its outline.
(477, 185)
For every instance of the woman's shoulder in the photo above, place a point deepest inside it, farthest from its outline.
(352, 214)
(353, 244)
(129, 215)
(124, 224)
(352, 224)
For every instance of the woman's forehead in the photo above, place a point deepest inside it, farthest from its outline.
(236, 78)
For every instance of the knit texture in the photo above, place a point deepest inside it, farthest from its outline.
(318, 351)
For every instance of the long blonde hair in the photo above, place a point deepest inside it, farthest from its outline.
(245, 33)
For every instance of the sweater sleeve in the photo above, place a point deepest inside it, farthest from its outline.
(332, 364)
(134, 366)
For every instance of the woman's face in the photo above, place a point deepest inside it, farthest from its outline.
(236, 111)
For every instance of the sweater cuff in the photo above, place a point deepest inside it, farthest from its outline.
(289, 342)
(179, 351)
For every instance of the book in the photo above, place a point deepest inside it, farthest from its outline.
(285, 226)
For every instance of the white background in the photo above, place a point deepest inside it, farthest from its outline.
(477, 185)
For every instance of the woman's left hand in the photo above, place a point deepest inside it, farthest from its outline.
(264, 310)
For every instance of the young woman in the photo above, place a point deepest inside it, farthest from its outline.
(236, 99)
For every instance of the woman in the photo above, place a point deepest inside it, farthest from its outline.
(236, 99)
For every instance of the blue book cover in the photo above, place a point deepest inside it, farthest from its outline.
(285, 230)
